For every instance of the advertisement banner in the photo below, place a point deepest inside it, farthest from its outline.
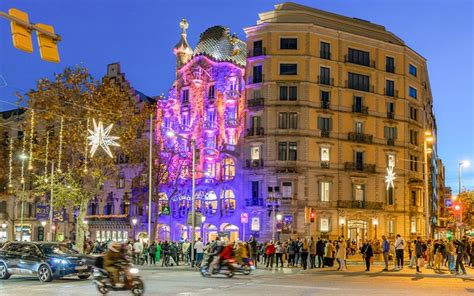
(42, 213)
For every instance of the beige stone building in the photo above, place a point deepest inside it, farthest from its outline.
(332, 102)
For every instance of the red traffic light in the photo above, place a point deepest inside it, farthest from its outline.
(457, 207)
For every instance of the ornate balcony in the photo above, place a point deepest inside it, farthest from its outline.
(254, 163)
(361, 167)
(325, 134)
(256, 131)
(256, 52)
(360, 138)
(391, 142)
(360, 204)
(255, 103)
(360, 109)
(390, 115)
(210, 125)
(325, 104)
(325, 164)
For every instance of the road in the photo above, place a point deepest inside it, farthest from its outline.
(288, 282)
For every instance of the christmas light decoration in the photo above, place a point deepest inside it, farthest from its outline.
(390, 177)
(86, 150)
(32, 128)
(100, 137)
(60, 143)
(23, 158)
(46, 156)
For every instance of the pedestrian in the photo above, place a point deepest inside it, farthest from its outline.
(419, 254)
(341, 253)
(152, 253)
(158, 252)
(320, 252)
(312, 253)
(329, 254)
(399, 248)
(199, 250)
(304, 253)
(367, 254)
(279, 253)
(385, 251)
(291, 253)
(270, 254)
(460, 251)
(186, 245)
(137, 251)
(253, 247)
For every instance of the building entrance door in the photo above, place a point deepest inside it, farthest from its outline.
(357, 231)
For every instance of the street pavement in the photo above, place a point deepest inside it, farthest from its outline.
(183, 281)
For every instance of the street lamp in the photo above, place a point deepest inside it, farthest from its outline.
(342, 221)
(170, 134)
(273, 205)
(134, 223)
(428, 139)
(462, 163)
(375, 222)
(43, 223)
(4, 225)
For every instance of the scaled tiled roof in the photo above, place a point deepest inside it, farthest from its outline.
(218, 44)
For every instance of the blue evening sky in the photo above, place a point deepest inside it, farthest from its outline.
(141, 33)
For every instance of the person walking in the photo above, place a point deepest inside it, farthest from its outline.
(304, 253)
(270, 253)
(158, 252)
(253, 247)
(320, 252)
(199, 250)
(279, 253)
(399, 248)
(341, 253)
(152, 253)
(137, 251)
(291, 253)
(419, 254)
(460, 251)
(367, 254)
(385, 251)
(312, 253)
(329, 254)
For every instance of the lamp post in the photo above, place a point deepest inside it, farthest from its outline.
(428, 139)
(278, 218)
(134, 223)
(463, 163)
(150, 187)
(273, 204)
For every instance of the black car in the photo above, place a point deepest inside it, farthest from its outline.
(47, 260)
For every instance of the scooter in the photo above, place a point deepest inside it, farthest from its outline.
(129, 276)
(246, 267)
(226, 267)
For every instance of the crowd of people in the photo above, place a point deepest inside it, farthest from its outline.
(313, 253)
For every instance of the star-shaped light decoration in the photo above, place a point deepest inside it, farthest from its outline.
(100, 137)
(390, 177)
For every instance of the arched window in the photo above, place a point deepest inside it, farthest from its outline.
(210, 203)
(228, 166)
(198, 201)
(94, 206)
(227, 202)
(109, 205)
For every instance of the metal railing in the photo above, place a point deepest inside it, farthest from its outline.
(254, 163)
(257, 102)
(325, 134)
(325, 104)
(360, 204)
(360, 109)
(360, 138)
(361, 167)
(256, 52)
(256, 131)
(390, 115)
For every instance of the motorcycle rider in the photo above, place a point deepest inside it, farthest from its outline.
(114, 260)
(214, 254)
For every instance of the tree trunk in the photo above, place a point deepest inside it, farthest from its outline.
(80, 226)
(154, 226)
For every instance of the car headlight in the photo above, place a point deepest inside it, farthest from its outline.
(60, 261)
(134, 270)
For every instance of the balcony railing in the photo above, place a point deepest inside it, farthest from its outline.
(256, 52)
(325, 55)
(391, 142)
(360, 109)
(257, 102)
(366, 88)
(347, 59)
(254, 202)
(361, 167)
(392, 93)
(256, 131)
(360, 204)
(390, 69)
(325, 164)
(325, 134)
(254, 163)
(390, 115)
(325, 104)
(360, 138)
(255, 79)
(325, 80)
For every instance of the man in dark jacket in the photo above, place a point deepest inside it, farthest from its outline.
(418, 252)
(320, 252)
(367, 253)
(253, 250)
(460, 251)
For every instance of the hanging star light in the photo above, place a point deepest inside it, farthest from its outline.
(100, 137)
(390, 177)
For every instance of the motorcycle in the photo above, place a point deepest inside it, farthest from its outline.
(226, 267)
(128, 276)
(245, 268)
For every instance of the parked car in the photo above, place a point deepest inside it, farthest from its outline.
(47, 260)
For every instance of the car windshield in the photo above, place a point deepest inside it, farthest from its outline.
(57, 250)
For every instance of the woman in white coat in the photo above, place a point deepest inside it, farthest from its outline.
(341, 254)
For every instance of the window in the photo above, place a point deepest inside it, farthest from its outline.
(391, 109)
(228, 202)
(255, 122)
(358, 106)
(293, 120)
(185, 96)
(325, 154)
(288, 43)
(324, 225)
(412, 92)
(324, 97)
(255, 193)
(287, 189)
(282, 150)
(391, 160)
(413, 198)
(325, 50)
(288, 69)
(414, 137)
(390, 88)
(390, 64)
(211, 92)
(359, 160)
(390, 133)
(359, 192)
(412, 70)
(121, 182)
(293, 151)
(288, 93)
(325, 124)
(413, 113)
(324, 76)
(255, 152)
(358, 57)
(257, 74)
(413, 163)
(358, 81)
(413, 225)
(229, 168)
(257, 48)
(391, 196)
(359, 127)
(391, 227)
(324, 190)
(283, 120)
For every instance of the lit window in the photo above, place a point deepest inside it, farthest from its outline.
(210, 203)
(185, 96)
(391, 227)
(324, 191)
(287, 189)
(324, 225)
(359, 192)
(255, 152)
(413, 226)
(325, 154)
(229, 168)
(228, 202)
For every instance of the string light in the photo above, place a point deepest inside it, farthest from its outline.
(60, 143)
(46, 158)
(32, 128)
(10, 163)
(23, 157)
(86, 150)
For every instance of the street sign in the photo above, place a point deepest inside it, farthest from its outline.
(165, 210)
(244, 218)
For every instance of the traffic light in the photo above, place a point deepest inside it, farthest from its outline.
(449, 235)
(21, 34)
(47, 45)
(456, 208)
(312, 215)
